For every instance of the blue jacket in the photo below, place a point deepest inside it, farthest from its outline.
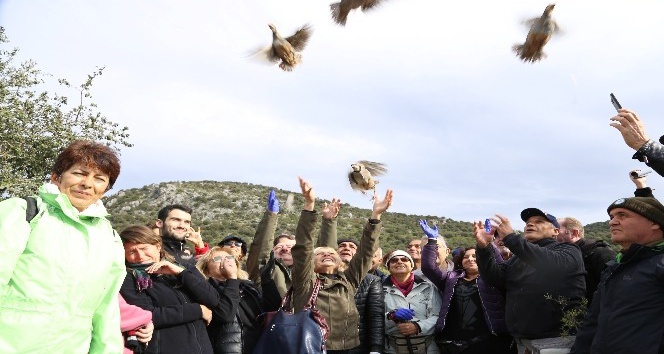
(493, 301)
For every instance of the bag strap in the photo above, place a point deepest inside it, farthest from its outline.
(286, 301)
(314, 294)
(32, 209)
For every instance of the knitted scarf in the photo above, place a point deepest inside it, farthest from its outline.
(406, 286)
(142, 277)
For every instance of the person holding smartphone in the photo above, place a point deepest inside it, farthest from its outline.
(634, 134)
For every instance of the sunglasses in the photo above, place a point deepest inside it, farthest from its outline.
(397, 259)
(232, 243)
(219, 259)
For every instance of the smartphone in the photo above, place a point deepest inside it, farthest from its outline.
(615, 102)
(640, 174)
(487, 225)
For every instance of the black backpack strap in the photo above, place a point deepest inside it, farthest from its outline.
(32, 209)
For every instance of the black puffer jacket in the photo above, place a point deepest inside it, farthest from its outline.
(652, 153)
(176, 312)
(234, 328)
(371, 306)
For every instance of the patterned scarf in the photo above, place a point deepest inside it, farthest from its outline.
(142, 277)
(406, 286)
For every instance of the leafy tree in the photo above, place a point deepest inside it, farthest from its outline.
(36, 125)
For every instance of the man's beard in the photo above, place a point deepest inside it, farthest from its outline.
(165, 233)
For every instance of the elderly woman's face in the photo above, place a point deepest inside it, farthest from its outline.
(218, 263)
(326, 260)
(142, 253)
(82, 184)
(400, 265)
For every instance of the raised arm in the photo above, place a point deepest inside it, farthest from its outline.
(361, 263)
(328, 229)
(492, 271)
(303, 250)
(429, 254)
(259, 250)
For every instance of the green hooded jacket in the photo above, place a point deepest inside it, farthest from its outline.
(59, 278)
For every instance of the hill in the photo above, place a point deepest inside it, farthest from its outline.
(225, 208)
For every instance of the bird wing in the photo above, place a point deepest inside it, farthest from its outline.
(375, 168)
(355, 184)
(300, 38)
(266, 55)
(370, 4)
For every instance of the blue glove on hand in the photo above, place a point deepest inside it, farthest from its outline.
(403, 314)
(431, 232)
(272, 203)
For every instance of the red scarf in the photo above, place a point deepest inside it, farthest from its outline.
(406, 286)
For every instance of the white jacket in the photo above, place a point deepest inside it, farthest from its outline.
(424, 299)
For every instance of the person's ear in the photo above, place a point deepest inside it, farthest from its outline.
(55, 178)
(159, 223)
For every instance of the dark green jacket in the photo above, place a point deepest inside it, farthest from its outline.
(336, 300)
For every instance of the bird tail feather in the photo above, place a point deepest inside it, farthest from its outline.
(337, 16)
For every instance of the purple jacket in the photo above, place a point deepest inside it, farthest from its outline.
(493, 300)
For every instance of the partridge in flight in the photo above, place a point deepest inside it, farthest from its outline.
(341, 9)
(541, 29)
(287, 50)
(361, 175)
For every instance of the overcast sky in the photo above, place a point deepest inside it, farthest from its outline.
(429, 87)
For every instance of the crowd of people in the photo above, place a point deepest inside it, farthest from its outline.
(71, 284)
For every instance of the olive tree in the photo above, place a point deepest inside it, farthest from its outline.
(35, 125)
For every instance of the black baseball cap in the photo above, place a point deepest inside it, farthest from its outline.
(234, 238)
(530, 212)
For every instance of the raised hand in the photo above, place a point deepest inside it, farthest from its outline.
(330, 211)
(380, 206)
(308, 193)
(631, 127)
(272, 202)
(431, 232)
(164, 267)
(482, 237)
(195, 237)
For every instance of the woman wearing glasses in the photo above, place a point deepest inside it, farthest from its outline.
(412, 305)
(234, 328)
(234, 245)
(336, 298)
(178, 296)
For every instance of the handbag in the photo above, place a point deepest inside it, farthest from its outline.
(409, 344)
(285, 332)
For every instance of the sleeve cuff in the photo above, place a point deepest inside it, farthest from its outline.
(203, 250)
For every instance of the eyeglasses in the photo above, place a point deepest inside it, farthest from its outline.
(402, 259)
(232, 243)
(219, 259)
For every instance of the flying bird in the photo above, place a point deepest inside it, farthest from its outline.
(341, 9)
(286, 50)
(541, 29)
(361, 175)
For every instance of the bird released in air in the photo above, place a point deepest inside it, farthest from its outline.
(361, 175)
(341, 9)
(286, 50)
(541, 29)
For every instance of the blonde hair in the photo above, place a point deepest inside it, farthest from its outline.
(202, 264)
(334, 252)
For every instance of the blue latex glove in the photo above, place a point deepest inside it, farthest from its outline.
(272, 203)
(431, 232)
(403, 314)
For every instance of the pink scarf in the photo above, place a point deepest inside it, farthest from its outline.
(406, 286)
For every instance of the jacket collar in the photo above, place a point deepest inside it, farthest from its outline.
(52, 196)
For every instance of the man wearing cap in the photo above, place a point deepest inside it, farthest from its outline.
(174, 223)
(541, 274)
(627, 312)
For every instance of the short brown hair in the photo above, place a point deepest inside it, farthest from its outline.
(278, 238)
(142, 234)
(91, 154)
